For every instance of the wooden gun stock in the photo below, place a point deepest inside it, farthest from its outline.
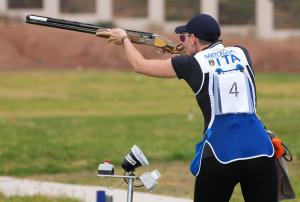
(137, 37)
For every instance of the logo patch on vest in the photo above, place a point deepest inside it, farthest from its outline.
(211, 63)
(222, 57)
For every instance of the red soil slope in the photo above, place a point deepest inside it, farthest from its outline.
(24, 46)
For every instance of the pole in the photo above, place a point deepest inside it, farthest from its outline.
(130, 180)
(130, 188)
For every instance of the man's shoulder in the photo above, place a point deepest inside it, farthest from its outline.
(184, 60)
(185, 66)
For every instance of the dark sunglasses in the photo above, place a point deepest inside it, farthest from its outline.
(182, 38)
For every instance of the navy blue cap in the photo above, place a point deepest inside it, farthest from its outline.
(202, 26)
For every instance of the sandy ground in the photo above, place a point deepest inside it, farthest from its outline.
(13, 186)
(24, 46)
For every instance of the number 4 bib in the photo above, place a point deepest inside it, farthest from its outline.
(232, 93)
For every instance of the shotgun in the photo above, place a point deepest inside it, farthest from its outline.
(146, 38)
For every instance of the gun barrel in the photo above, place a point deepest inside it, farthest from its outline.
(61, 24)
(74, 26)
(137, 37)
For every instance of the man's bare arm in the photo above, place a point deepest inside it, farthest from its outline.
(151, 67)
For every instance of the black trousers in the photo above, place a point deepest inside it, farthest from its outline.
(216, 181)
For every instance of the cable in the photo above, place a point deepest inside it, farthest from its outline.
(126, 180)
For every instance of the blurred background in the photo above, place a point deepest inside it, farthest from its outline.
(270, 26)
(69, 100)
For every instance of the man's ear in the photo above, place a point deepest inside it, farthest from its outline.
(194, 39)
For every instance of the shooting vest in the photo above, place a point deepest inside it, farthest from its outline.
(234, 131)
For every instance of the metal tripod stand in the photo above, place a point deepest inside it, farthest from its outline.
(130, 177)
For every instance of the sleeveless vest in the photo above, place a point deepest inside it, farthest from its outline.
(234, 131)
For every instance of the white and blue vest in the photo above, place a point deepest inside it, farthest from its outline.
(234, 131)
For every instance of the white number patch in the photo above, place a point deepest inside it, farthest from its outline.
(233, 93)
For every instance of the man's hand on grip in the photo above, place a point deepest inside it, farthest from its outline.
(115, 36)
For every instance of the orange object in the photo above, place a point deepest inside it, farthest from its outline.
(279, 149)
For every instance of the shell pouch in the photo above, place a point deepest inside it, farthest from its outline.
(196, 162)
(285, 189)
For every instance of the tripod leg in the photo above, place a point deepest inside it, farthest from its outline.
(130, 190)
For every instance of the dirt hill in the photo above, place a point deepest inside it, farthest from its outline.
(24, 46)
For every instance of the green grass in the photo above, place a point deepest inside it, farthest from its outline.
(63, 123)
(34, 199)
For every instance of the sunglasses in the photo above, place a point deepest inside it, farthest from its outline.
(182, 37)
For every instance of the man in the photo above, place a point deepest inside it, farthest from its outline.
(235, 147)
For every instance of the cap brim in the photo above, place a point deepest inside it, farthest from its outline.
(180, 29)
